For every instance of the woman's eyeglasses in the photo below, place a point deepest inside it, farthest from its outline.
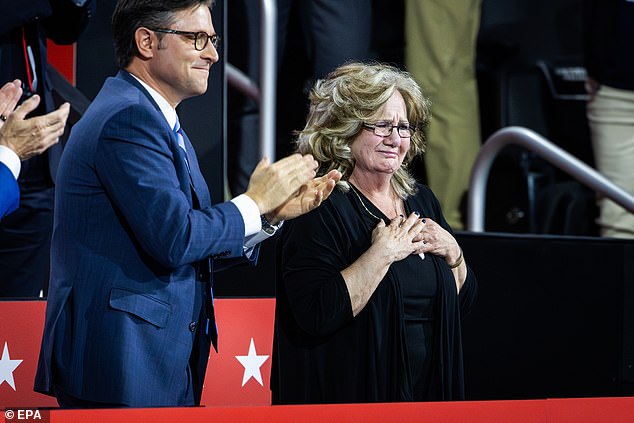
(384, 129)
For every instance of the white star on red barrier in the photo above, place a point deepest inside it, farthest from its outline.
(7, 366)
(252, 363)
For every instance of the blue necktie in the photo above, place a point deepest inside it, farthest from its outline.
(211, 328)
(181, 140)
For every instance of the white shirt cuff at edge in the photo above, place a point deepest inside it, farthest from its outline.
(250, 214)
(253, 233)
(12, 161)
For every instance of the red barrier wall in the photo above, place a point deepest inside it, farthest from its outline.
(237, 375)
(237, 383)
(593, 410)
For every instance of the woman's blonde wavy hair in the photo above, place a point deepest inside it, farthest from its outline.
(340, 104)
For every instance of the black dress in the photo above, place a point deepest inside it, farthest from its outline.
(405, 345)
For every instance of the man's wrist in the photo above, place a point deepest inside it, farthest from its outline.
(266, 226)
(271, 219)
(270, 226)
(250, 214)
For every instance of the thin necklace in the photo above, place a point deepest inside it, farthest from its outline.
(363, 204)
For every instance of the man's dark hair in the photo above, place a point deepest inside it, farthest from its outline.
(129, 15)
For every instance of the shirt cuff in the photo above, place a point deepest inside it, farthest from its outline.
(261, 236)
(250, 214)
(12, 161)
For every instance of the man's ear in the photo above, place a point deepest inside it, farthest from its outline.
(145, 40)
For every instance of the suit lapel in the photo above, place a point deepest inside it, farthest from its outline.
(192, 182)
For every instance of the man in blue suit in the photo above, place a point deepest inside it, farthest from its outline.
(22, 138)
(129, 320)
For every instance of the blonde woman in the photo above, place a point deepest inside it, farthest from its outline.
(372, 285)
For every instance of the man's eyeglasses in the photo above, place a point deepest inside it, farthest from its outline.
(384, 129)
(200, 38)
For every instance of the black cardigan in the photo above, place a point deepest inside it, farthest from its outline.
(321, 353)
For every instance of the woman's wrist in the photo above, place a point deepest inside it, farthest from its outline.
(458, 261)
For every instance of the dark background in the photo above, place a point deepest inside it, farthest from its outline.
(554, 316)
(523, 50)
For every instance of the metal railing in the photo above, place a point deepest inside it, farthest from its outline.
(265, 94)
(547, 151)
(240, 81)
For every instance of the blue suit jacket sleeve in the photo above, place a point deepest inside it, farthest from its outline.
(9, 191)
(132, 152)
